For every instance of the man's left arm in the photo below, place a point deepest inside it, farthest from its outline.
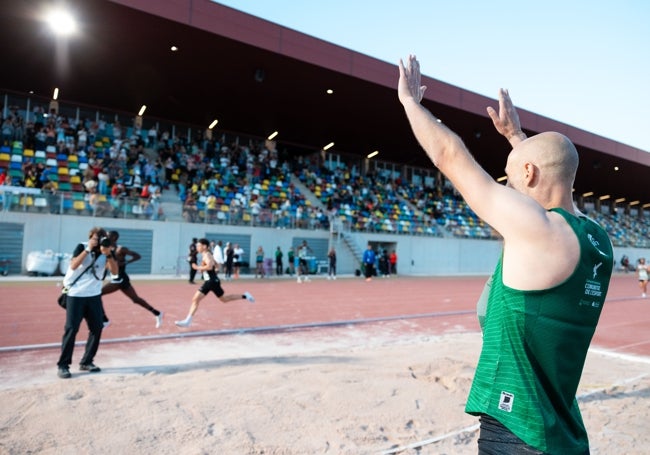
(506, 121)
(134, 256)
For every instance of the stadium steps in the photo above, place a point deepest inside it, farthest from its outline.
(171, 205)
(307, 193)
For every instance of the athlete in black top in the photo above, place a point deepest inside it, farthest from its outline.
(211, 283)
(122, 280)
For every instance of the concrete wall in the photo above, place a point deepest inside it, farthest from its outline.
(417, 255)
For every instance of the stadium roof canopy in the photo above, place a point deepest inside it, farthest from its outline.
(257, 77)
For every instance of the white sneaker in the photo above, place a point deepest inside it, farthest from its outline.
(643, 295)
(307, 278)
(184, 323)
(159, 320)
(299, 280)
(334, 277)
(249, 297)
(106, 324)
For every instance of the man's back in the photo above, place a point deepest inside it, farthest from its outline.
(534, 347)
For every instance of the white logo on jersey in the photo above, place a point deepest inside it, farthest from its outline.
(595, 243)
(596, 268)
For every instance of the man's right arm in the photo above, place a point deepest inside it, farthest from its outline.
(78, 255)
(505, 209)
(444, 147)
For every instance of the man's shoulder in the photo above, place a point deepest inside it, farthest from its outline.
(121, 253)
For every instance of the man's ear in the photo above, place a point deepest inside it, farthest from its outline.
(531, 174)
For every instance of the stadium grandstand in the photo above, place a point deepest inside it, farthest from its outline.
(174, 120)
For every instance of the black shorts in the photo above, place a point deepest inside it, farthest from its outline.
(212, 286)
(494, 437)
(123, 280)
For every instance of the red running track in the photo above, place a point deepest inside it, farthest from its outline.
(31, 319)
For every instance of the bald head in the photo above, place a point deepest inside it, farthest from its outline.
(554, 154)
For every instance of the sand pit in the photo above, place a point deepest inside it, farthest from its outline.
(365, 389)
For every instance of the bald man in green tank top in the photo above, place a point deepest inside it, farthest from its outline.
(537, 327)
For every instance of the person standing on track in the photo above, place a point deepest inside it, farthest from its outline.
(291, 261)
(537, 327)
(278, 262)
(211, 283)
(238, 258)
(303, 267)
(392, 261)
(122, 282)
(192, 259)
(642, 273)
(331, 264)
(88, 266)
(259, 262)
(229, 256)
(217, 252)
(368, 260)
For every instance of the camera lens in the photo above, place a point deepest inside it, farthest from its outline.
(105, 242)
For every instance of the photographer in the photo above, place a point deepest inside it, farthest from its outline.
(88, 266)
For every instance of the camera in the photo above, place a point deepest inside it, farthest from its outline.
(105, 242)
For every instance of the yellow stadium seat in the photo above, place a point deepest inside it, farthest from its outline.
(79, 205)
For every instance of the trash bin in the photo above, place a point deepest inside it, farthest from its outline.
(4, 265)
(312, 266)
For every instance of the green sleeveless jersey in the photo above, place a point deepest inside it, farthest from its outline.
(535, 344)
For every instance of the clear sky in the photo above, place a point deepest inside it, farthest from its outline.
(584, 63)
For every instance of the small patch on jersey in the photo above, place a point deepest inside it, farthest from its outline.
(506, 400)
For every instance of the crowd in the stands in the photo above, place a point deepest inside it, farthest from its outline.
(102, 168)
